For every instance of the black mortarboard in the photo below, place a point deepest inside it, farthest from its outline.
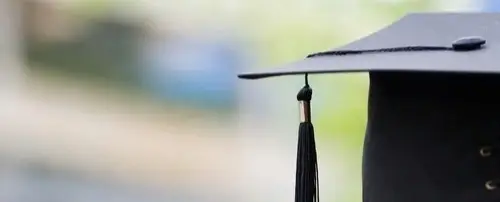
(433, 126)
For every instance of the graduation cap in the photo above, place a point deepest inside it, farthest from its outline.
(433, 128)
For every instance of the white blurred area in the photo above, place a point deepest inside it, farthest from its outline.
(69, 137)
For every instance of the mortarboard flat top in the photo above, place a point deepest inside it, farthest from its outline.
(419, 29)
(433, 126)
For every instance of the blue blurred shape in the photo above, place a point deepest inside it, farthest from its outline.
(491, 5)
(195, 72)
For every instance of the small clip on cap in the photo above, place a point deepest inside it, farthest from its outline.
(468, 43)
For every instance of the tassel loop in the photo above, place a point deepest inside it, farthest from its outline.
(304, 97)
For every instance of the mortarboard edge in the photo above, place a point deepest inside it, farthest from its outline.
(416, 29)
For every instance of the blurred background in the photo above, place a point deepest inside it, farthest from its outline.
(128, 101)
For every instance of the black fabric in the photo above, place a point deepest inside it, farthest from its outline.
(424, 133)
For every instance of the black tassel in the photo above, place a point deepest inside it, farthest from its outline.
(306, 179)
